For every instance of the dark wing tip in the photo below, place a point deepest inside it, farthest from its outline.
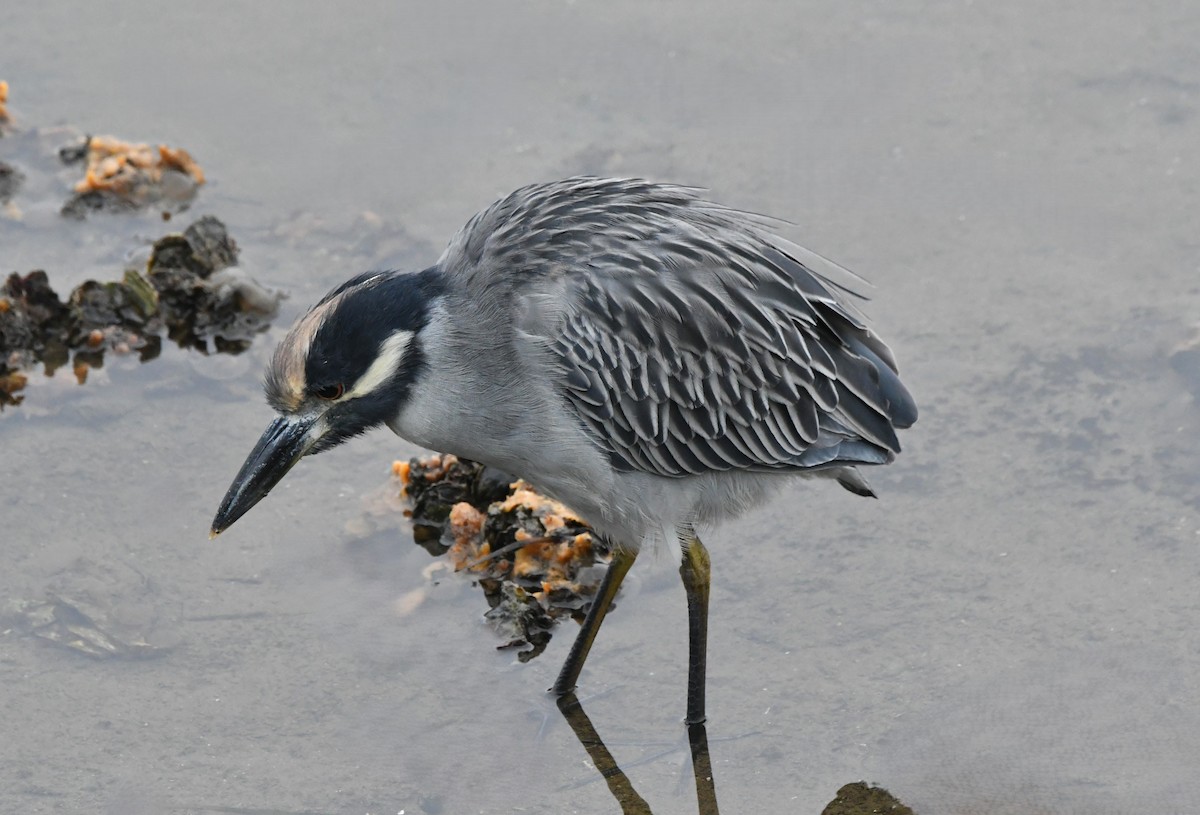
(853, 481)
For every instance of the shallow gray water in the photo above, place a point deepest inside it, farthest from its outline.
(1011, 629)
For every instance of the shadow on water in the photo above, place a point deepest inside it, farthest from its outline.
(627, 797)
(856, 798)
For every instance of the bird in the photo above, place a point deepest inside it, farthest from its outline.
(655, 361)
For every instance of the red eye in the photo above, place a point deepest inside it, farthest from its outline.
(331, 392)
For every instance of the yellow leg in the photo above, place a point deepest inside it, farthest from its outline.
(695, 569)
(622, 559)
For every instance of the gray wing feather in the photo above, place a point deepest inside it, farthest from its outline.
(685, 336)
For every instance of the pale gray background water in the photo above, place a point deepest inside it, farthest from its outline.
(1012, 628)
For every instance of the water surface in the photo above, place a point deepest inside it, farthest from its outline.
(1012, 628)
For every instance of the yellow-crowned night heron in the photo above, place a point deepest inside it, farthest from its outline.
(653, 360)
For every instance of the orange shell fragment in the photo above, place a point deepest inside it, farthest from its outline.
(117, 166)
(402, 470)
(181, 160)
(466, 526)
(465, 520)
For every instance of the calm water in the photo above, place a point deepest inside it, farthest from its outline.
(1012, 628)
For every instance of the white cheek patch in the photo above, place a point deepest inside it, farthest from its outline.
(391, 354)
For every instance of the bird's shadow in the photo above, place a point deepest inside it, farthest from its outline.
(622, 790)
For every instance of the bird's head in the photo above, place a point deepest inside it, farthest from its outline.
(345, 367)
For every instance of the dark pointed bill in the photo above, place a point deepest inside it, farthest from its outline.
(284, 443)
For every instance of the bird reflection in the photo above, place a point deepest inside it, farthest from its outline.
(618, 783)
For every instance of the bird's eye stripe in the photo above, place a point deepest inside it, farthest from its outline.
(391, 354)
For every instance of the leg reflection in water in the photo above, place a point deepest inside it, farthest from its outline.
(618, 783)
